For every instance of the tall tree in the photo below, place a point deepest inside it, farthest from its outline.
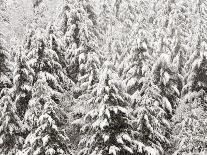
(80, 36)
(168, 82)
(192, 109)
(10, 127)
(4, 18)
(22, 79)
(55, 44)
(44, 116)
(5, 65)
(46, 136)
(43, 59)
(151, 127)
(107, 125)
(135, 65)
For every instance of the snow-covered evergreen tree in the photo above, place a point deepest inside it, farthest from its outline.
(168, 82)
(107, 127)
(39, 9)
(78, 25)
(190, 118)
(171, 24)
(44, 117)
(43, 59)
(5, 66)
(126, 21)
(4, 19)
(45, 52)
(10, 126)
(22, 79)
(3, 12)
(46, 136)
(151, 127)
(55, 44)
(91, 64)
(199, 16)
(135, 66)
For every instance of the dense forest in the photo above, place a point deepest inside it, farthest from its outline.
(103, 77)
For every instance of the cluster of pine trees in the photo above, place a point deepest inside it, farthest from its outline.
(106, 77)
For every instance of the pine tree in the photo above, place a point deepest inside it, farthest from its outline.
(168, 82)
(136, 63)
(107, 125)
(80, 36)
(151, 127)
(5, 66)
(158, 96)
(43, 59)
(23, 78)
(46, 137)
(129, 53)
(172, 24)
(44, 62)
(190, 118)
(199, 12)
(4, 17)
(39, 9)
(107, 23)
(105, 16)
(44, 117)
(55, 44)
(91, 64)
(163, 10)
(10, 127)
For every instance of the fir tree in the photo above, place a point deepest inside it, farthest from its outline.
(151, 127)
(199, 12)
(23, 78)
(192, 109)
(5, 66)
(80, 36)
(44, 117)
(168, 82)
(42, 59)
(39, 9)
(137, 64)
(55, 44)
(107, 125)
(90, 65)
(10, 127)
(3, 12)
(46, 137)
